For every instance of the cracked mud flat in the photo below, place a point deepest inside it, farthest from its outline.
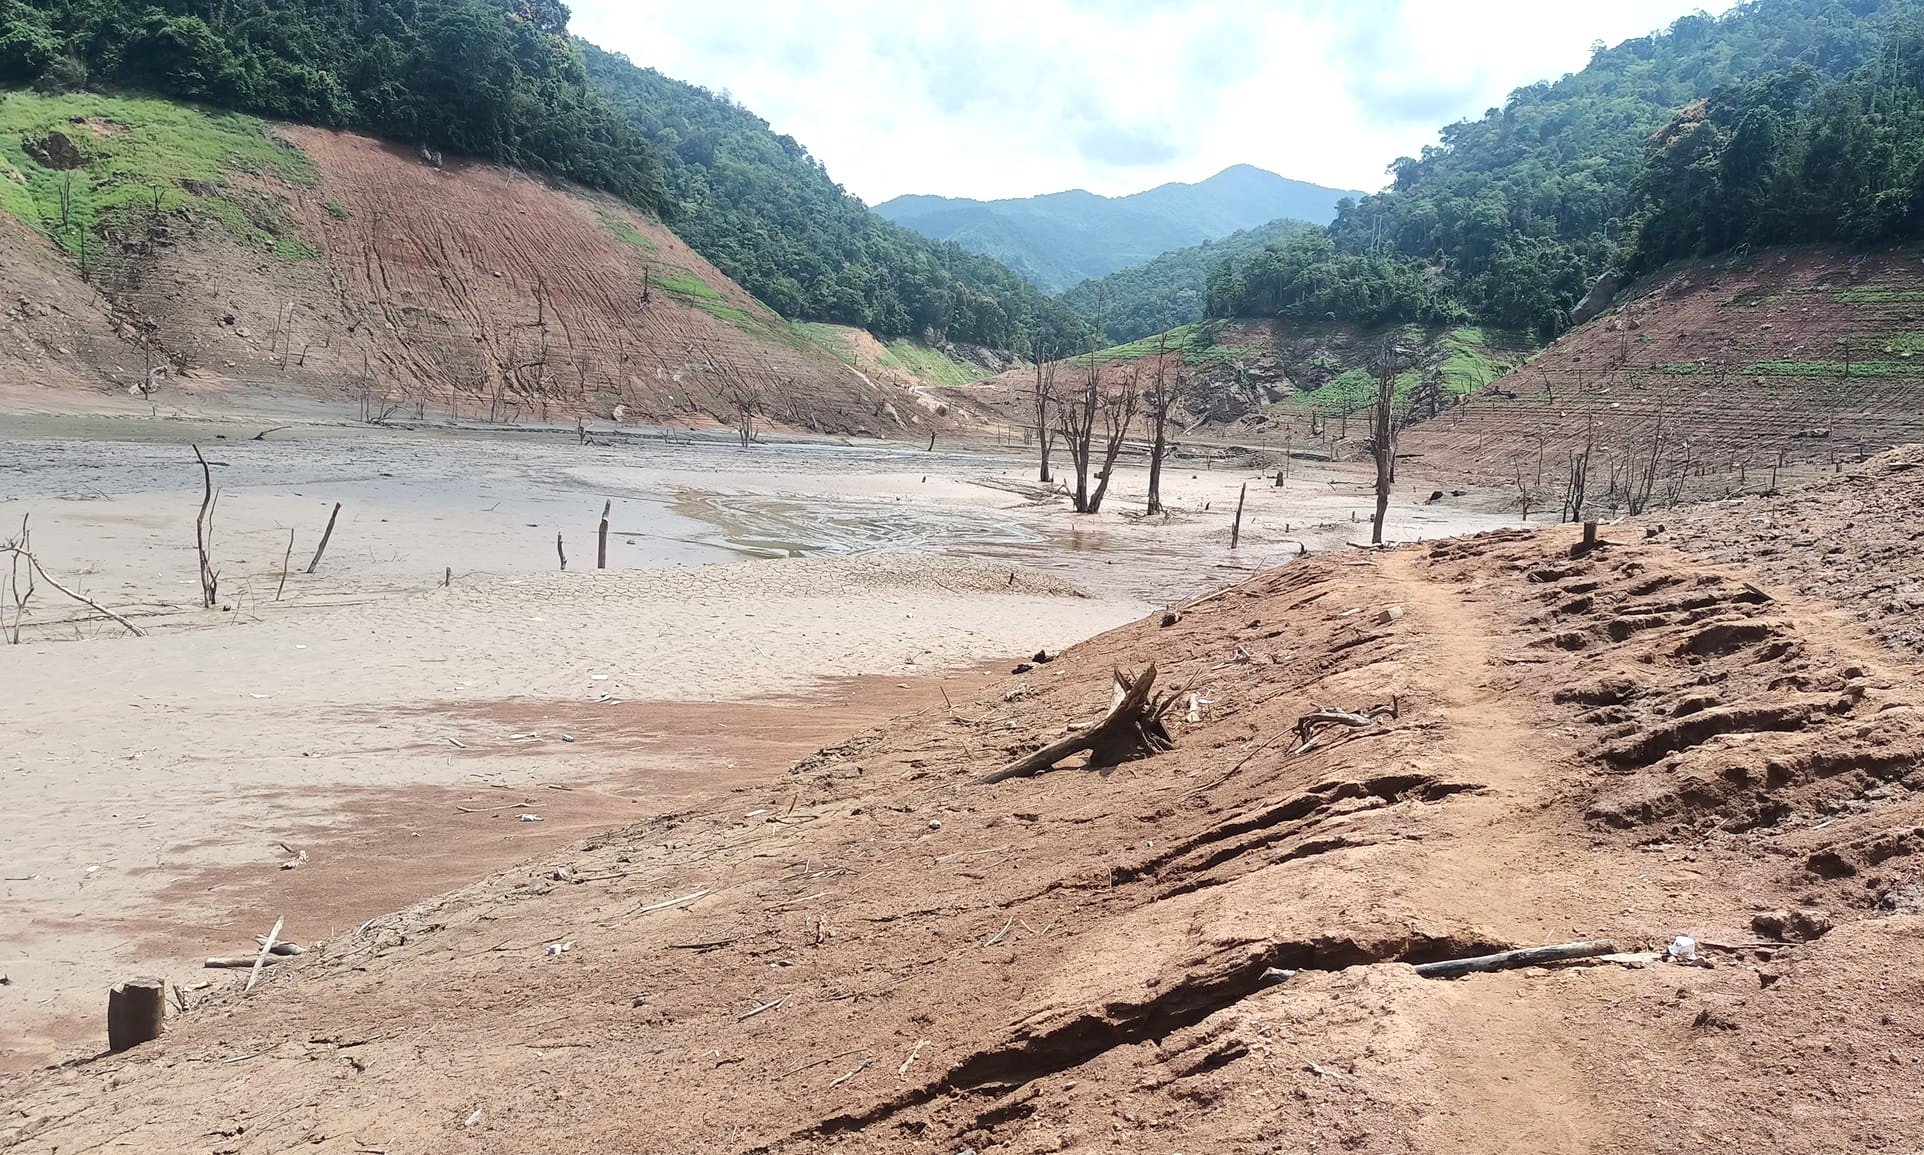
(881, 955)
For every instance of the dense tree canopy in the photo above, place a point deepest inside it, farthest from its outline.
(1172, 289)
(492, 78)
(1512, 215)
(767, 213)
(1791, 157)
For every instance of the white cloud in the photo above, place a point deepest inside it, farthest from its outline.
(1013, 97)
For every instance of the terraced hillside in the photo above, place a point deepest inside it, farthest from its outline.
(238, 260)
(1800, 356)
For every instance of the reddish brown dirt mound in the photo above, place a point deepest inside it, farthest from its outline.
(468, 290)
(1815, 354)
(53, 327)
(882, 954)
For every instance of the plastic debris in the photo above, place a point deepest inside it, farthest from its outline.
(529, 817)
(1683, 949)
(557, 949)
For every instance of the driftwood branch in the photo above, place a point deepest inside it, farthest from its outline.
(1132, 729)
(267, 948)
(1511, 959)
(95, 606)
(325, 535)
(1311, 725)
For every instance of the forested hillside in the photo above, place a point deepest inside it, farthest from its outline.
(1059, 240)
(768, 214)
(1512, 216)
(1792, 157)
(501, 79)
(1170, 290)
(489, 78)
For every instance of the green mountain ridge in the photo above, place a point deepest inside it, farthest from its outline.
(1173, 289)
(1059, 240)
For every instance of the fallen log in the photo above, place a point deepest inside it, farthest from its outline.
(241, 962)
(1511, 959)
(1132, 729)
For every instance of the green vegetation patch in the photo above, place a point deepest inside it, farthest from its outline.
(1834, 369)
(337, 210)
(77, 166)
(1472, 360)
(1354, 389)
(927, 364)
(1881, 295)
(831, 339)
(1200, 343)
(627, 233)
(683, 283)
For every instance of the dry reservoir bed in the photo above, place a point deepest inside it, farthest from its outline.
(394, 729)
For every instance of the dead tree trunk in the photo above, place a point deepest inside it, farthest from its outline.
(1132, 729)
(1383, 448)
(1044, 393)
(136, 1012)
(1236, 530)
(325, 535)
(1161, 399)
(601, 543)
(1118, 410)
(204, 536)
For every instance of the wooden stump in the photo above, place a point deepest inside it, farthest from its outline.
(136, 1011)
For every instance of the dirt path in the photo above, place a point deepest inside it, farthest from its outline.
(1526, 1097)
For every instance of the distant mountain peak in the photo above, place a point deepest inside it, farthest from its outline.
(1062, 238)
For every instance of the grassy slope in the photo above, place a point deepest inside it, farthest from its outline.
(144, 162)
(898, 356)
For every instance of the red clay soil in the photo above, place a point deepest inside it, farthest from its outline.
(882, 954)
(52, 323)
(470, 290)
(1741, 361)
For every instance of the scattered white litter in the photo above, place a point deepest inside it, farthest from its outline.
(529, 817)
(557, 949)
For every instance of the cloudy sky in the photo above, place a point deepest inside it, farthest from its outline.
(997, 98)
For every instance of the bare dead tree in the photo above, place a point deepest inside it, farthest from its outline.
(204, 535)
(1042, 396)
(1575, 493)
(19, 550)
(1382, 443)
(1641, 473)
(1118, 412)
(1076, 418)
(1161, 398)
(1522, 489)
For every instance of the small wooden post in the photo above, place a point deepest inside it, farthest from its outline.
(447, 577)
(325, 534)
(136, 1012)
(601, 545)
(1236, 530)
(931, 441)
(561, 553)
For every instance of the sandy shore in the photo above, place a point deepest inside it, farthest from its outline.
(760, 603)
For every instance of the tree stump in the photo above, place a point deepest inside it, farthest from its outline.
(136, 1011)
